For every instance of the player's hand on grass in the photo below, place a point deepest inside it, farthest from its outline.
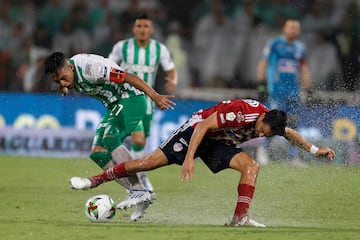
(187, 169)
(326, 152)
(163, 101)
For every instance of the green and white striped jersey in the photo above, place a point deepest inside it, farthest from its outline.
(142, 62)
(92, 77)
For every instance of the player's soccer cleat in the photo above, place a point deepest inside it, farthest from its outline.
(140, 210)
(79, 183)
(152, 196)
(245, 221)
(141, 207)
(133, 198)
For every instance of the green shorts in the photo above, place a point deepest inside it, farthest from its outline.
(119, 122)
(145, 124)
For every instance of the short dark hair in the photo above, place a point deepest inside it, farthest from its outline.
(142, 16)
(54, 62)
(276, 119)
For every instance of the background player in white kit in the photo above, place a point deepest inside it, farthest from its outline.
(142, 55)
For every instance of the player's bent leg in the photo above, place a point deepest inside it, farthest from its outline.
(249, 169)
(155, 160)
(247, 166)
(119, 155)
(137, 193)
(138, 140)
(137, 154)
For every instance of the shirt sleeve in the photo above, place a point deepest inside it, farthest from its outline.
(97, 69)
(237, 113)
(116, 53)
(114, 72)
(165, 59)
(229, 114)
(267, 49)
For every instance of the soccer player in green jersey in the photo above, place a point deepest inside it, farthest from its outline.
(122, 94)
(142, 55)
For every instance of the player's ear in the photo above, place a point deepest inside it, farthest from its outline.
(71, 66)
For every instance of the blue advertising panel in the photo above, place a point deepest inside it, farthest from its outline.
(80, 112)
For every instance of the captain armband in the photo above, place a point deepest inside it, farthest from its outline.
(117, 75)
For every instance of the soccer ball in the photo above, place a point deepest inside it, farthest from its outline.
(100, 208)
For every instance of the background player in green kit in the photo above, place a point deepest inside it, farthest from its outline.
(123, 95)
(142, 55)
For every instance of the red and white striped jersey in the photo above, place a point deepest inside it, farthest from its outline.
(236, 120)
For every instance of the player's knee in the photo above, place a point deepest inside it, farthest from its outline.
(138, 139)
(138, 144)
(253, 168)
(111, 142)
(100, 158)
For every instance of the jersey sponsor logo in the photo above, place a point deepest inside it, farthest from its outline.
(240, 117)
(138, 68)
(230, 116)
(177, 147)
(287, 66)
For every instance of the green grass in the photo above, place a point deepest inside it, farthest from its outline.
(315, 202)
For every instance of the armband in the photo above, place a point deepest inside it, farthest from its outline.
(313, 149)
(117, 75)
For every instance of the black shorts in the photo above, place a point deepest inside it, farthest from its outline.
(215, 154)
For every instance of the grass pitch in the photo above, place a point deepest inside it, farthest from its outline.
(315, 202)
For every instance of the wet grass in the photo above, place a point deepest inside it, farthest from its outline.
(313, 202)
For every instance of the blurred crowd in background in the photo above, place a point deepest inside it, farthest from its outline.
(214, 43)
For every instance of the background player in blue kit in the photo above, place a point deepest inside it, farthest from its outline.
(285, 72)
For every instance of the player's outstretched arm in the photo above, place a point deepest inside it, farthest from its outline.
(295, 138)
(200, 130)
(161, 101)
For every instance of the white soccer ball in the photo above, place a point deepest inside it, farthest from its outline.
(100, 208)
